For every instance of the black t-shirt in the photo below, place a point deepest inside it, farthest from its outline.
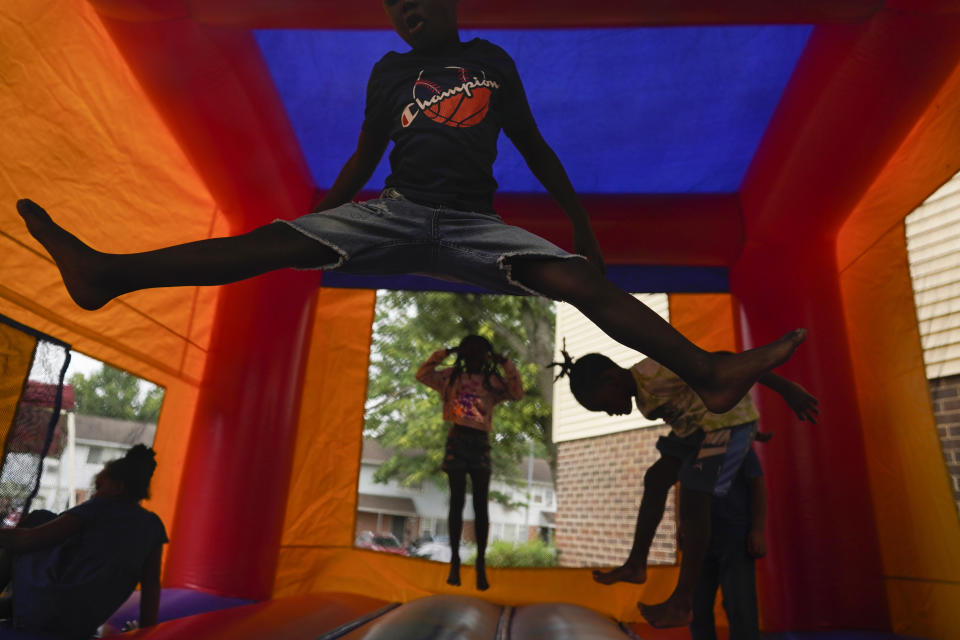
(444, 114)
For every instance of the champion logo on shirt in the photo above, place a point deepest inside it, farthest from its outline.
(463, 105)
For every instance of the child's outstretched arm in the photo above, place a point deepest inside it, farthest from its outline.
(356, 172)
(514, 388)
(803, 403)
(427, 372)
(46, 535)
(546, 166)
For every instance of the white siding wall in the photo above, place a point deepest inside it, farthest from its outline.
(510, 524)
(570, 420)
(53, 493)
(933, 246)
(430, 500)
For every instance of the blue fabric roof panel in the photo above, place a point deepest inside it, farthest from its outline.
(638, 110)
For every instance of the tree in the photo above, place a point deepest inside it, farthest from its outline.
(406, 417)
(114, 393)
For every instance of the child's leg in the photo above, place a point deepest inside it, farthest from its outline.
(703, 625)
(6, 569)
(481, 496)
(721, 379)
(738, 583)
(93, 278)
(458, 491)
(657, 481)
(28, 521)
(695, 525)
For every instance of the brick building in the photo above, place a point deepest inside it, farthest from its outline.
(946, 409)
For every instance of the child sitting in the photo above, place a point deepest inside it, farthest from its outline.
(704, 451)
(70, 572)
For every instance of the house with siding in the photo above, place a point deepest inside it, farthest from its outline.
(933, 248)
(409, 512)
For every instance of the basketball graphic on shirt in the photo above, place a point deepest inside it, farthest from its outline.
(462, 103)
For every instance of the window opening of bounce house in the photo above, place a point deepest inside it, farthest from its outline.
(933, 250)
(538, 515)
(104, 412)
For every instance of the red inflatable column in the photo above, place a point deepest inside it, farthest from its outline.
(234, 486)
(823, 568)
(213, 89)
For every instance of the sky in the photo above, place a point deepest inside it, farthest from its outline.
(84, 364)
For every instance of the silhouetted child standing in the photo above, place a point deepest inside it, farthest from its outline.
(737, 539)
(704, 450)
(470, 390)
(443, 104)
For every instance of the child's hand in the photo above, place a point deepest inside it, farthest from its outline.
(756, 544)
(803, 403)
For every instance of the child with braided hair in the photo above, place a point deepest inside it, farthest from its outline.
(470, 390)
(71, 572)
(704, 451)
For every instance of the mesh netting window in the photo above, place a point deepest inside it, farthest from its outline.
(32, 402)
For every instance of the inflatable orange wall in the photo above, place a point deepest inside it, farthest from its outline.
(143, 124)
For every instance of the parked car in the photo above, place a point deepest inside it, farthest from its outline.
(436, 550)
(386, 542)
(429, 537)
(10, 520)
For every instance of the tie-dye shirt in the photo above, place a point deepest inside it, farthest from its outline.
(470, 403)
(657, 386)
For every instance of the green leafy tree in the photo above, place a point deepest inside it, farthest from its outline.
(114, 393)
(149, 410)
(406, 416)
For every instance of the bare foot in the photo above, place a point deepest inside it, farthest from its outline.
(482, 584)
(666, 614)
(80, 266)
(625, 573)
(735, 373)
(453, 577)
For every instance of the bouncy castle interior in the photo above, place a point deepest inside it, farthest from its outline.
(755, 160)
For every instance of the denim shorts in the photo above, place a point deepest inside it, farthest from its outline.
(710, 461)
(467, 449)
(392, 235)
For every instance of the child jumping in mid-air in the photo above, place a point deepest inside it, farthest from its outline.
(704, 450)
(443, 104)
(470, 390)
